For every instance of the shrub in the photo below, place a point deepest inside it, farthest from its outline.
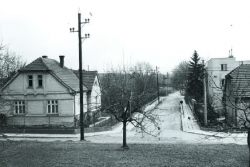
(2, 120)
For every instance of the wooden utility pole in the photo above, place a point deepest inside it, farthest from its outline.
(205, 94)
(80, 38)
(80, 76)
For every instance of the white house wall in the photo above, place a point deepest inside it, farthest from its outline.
(95, 95)
(215, 77)
(36, 100)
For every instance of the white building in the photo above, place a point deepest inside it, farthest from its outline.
(217, 68)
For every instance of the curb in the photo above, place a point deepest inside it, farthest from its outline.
(41, 137)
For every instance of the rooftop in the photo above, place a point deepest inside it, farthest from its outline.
(240, 79)
(63, 74)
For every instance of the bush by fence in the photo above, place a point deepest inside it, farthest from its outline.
(198, 110)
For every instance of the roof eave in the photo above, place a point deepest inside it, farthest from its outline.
(2, 88)
(36, 70)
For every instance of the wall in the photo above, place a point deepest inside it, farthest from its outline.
(95, 97)
(50, 85)
(215, 76)
(36, 100)
(41, 120)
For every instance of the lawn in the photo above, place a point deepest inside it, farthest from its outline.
(85, 154)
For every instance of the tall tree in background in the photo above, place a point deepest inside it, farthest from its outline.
(195, 84)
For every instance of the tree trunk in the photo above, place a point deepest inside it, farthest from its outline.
(124, 145)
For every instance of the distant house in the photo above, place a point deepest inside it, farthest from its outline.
(217, 69)
(92, 83)
(44, 92)
(237, 95)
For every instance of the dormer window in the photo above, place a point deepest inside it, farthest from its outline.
(40, 80)
(30, 80)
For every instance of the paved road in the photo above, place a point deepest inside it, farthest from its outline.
(170, 129)
(168, 112)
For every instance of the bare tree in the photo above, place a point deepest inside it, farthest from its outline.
(179, 77)
(10, 63)
(124, 93)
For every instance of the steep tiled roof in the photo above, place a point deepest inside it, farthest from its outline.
(36, 65)
(240, 80)
(88, 78)
(64, 75)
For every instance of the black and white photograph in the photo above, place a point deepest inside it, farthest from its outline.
(124, 83)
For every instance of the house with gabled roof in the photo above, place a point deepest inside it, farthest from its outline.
(91, 81)
(236, 95)
(44, 92)
(217, 69)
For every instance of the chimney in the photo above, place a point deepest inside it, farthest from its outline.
(61, 60)
(44, 56)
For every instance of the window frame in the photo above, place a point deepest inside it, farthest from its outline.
(223, 67)
(52, 107)
(19, 107)
(32, 82)
(38, 81)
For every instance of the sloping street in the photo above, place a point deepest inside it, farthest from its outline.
(171, 128)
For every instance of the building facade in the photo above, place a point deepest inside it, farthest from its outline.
(236, 96)
(44, 92)
(217, 69)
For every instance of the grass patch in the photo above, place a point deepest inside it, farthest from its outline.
(38, 154)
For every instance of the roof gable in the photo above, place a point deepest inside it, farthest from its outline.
(62, 74)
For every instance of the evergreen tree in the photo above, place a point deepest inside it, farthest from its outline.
(195, 83)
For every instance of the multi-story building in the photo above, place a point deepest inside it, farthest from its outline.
(217, 69)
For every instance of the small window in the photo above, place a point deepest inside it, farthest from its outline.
(223, 67)
(40, 80)
(30, 80)
(52, 107)
(19, 107)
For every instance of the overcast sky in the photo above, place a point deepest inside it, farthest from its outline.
(160, 32)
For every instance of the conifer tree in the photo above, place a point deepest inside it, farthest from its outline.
(195, 84)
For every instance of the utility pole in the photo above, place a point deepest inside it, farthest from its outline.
(205, 94)
(80, 38)
(157, 85)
